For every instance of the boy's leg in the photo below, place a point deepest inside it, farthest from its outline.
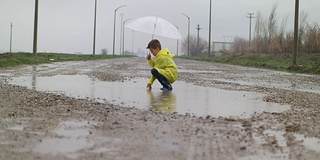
(163, 80)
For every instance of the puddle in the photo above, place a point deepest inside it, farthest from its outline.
(18, 125)
(16, 128)
(185, 98)
(57, 146)
(4, 74)
(72, 137)
(310, 143)
(267, 156)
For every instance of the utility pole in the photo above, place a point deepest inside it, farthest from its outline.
(198, 28)
(94, 28)
(250, 16)
(209, 48)
(188, 33)
(11, 38)
(295, 39)
(114, 27)
(35, 32)
(132, 45)
(121, 25)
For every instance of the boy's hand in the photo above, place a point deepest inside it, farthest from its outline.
(149, 87)
(148, 57)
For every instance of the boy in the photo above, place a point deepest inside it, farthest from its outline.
(164, 68)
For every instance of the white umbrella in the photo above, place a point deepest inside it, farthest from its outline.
(155, 26)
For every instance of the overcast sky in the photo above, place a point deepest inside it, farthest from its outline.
(67, 25)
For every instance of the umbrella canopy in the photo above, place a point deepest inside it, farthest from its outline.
(155, 26)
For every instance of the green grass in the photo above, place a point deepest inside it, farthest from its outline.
(15, 59)
(309, 64)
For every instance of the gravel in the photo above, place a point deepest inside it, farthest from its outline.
(39, 125)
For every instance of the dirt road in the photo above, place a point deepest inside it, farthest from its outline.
(39, 125)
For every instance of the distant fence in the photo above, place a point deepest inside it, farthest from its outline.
(217, 46)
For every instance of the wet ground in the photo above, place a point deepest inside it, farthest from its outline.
(101, 109)
(185, 99)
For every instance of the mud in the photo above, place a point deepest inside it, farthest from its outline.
(52, 125)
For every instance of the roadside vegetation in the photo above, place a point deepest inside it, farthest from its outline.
(307, 64)
(21, 58)
(271, 47)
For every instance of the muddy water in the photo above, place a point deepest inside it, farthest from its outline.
(311, 143)
(71, 136)
(186, 98)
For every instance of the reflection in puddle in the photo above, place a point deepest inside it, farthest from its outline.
(185, 98)
(163, 101)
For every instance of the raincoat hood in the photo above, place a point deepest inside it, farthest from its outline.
(165, 52)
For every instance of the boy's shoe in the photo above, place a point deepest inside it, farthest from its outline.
(166, 86)
(165, 89)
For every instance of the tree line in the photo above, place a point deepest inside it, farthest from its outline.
(272, 37)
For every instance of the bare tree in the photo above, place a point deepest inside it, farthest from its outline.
(289, 38)
(268, 38)
(196, 48)
(277, 44)
(281, 35)
(272, 28)
(260, 34)
(302, 29)
(104, 51)
(312, 39)
(239, 46)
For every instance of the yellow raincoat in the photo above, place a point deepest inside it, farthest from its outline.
(164, 64)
